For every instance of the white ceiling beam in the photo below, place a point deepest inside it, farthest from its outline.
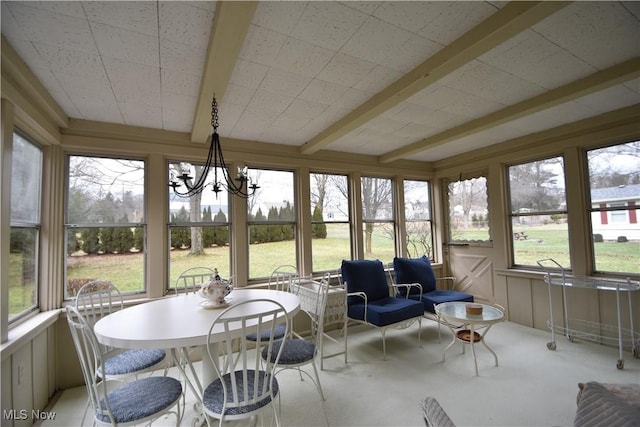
(230, 26)
(514, 18)
(593, 83)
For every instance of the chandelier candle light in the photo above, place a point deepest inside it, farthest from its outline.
(245, 187)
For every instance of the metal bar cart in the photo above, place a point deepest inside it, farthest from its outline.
(572, 329)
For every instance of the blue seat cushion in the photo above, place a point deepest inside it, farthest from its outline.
(433, 298)
(140, 399)
(365, 276)
(294, 352)
(130, 361)
(265, 335)
(214, 394)
(414, 270)
(387, 311)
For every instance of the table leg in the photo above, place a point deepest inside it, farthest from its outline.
(453, 341)
(208, 370)
(473, 347)
(495, 356)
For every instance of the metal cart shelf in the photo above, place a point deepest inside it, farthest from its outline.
(573, 329)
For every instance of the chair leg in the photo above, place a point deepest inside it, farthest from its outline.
(318, 386)
(384, 345)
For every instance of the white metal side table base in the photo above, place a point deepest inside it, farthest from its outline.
(455, 313)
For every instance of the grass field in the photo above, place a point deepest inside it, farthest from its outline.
(126, 271)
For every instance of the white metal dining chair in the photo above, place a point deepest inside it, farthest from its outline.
(281, 279)
(140, 401)
(100, 298)
(191, 279)
(243, 387)
(298, 351)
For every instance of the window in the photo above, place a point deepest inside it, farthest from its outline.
(468, 210)
(199, 228)
(539, 212)
(378, 218)
(105, 223)
(331, 236)
(272, 222)
(614, 180)
(26, 181)
(418, 225)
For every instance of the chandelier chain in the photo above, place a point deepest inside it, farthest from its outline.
(214, 114)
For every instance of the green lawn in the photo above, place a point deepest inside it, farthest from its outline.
(126, 271)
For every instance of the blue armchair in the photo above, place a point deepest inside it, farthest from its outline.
(418, 270)
(369, 300)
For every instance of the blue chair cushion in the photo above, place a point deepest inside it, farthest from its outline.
(265, 335)
(414, 270)
(365, 276)
(130, 361)
(387, 311)
(294, 352)
(140, 399)
(214, 394)
(433, 298)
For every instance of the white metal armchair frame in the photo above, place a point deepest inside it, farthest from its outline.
(136, 402)
(244, 387)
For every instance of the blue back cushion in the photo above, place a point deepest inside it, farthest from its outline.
(414, 270)
(365, 276)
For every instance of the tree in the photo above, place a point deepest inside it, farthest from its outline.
(274, 231)
(220, 233)
(259, 232)
(319, 228)
(90, 240)
(180, 236)
(138, 238)
(376, 193)
(466, 194)
(208, 238)
(535, 186)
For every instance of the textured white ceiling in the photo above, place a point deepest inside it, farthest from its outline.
(306, 65)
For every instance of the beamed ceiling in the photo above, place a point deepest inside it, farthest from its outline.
(395, 80)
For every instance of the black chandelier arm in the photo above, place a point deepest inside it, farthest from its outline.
(199, 186)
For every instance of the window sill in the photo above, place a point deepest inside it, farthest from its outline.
(26, 331)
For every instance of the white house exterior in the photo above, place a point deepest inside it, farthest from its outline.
(614, 224)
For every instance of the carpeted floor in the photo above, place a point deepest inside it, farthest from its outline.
(532, 386)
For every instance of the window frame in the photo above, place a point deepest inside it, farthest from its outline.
(293, 222)
(612, 211)
(514, 235)
(429, 220)
(69, 225)
(170, 287)
(447, 214)
(392, 221)
(28, 225)
(348, 222)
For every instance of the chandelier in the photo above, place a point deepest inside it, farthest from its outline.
(244, 187)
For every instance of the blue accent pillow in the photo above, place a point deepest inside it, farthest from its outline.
(365, 276)
(414, 270)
